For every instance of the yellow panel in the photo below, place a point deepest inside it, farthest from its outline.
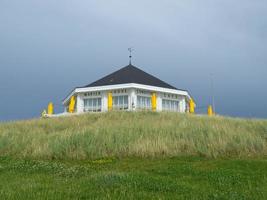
(191, 106)
(72, 105)
(50, 108)
(154, 101)
(110, 101)
(210, 111)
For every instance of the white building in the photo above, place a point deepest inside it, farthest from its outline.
(128, 89)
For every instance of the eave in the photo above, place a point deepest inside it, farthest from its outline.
(126, 86)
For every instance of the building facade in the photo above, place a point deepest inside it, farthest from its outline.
(128, 89)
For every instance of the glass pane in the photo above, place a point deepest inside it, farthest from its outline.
(120, 101)
(99, 102)
(94, 102)
(115, 101)
(145, 102)
(126, 100)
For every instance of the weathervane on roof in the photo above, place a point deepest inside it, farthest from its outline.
(130, 56)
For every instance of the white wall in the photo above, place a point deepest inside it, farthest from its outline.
(79, 103)
(182, 105)
(159, 101)
(132, 101)
(104, 101)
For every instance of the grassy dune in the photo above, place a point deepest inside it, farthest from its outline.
(142, 155)
(140, 134)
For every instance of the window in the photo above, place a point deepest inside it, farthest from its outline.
(120, 102)
(144, 103)
(170, 105)
(92, 105)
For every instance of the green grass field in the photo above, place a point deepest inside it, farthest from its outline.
(134, 178)
(142, 155)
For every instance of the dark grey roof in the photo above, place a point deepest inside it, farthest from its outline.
(130, 74)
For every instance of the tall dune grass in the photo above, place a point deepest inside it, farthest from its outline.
(141, 134)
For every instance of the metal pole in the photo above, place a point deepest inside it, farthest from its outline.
(130, 56)
(212, 94)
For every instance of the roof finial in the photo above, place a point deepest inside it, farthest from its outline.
(130, 56)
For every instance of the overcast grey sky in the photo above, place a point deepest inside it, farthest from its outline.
(49, 47)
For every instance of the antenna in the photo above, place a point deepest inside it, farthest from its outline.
(130, 56)
(212, 92)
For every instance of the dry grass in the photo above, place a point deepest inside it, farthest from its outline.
(141, 134)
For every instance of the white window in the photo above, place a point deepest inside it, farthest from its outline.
(170, 105)
(144, 103)
(120, 102)
(92, 105)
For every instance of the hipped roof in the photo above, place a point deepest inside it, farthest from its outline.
(130, 74)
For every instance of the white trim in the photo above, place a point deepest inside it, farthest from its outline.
(126, 86)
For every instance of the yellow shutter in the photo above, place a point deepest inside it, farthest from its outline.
(110, 101)
(210, 111)
(154, 101)
(50, 109)
(72, 105)
(191, 106)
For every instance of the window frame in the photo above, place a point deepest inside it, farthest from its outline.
(92, 104)
(170, 105)
(120, 102)
(143, 102)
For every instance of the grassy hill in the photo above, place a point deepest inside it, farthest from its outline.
(142, 155)
(141, 134)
